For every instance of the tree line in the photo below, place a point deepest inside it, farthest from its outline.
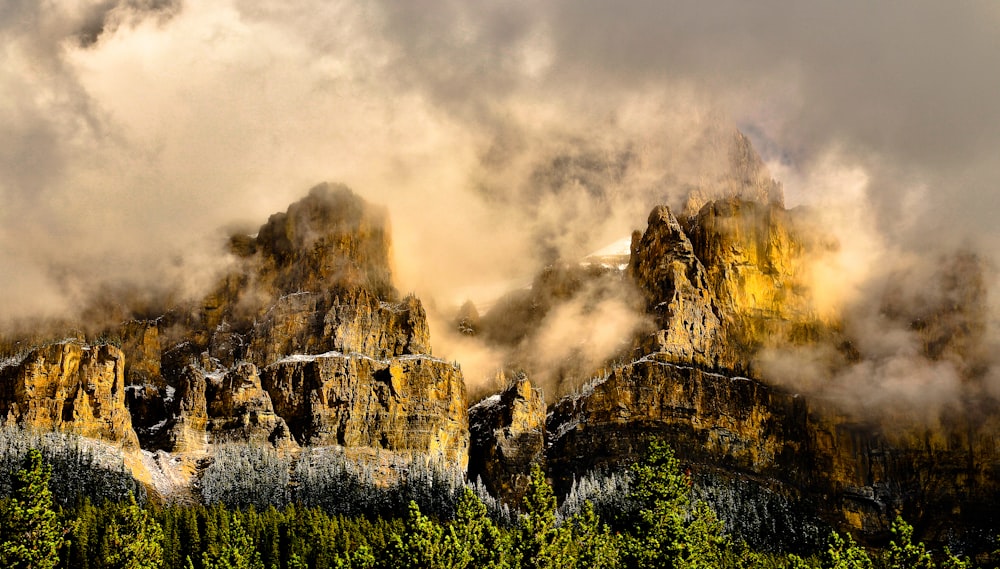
(662, 527)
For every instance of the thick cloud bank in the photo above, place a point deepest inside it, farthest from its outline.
(501, 134)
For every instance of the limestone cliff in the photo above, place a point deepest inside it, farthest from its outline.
(678, 293)
(756, 257)
(359, 322)
(728, 281)
(410, 404)
(69, 386)
(508, 436)
(304, 342)
(756, 446)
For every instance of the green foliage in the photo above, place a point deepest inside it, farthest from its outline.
(903, 553)
(133, 539)
(31, 534)
(592, 544)
(235, 551)
(419, 545)
(541, 544)
(704, 546)
(666, 531)
(844, 553)
(472, 540)
(664, 528)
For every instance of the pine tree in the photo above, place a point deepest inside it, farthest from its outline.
(134, 539)
(845, 554)
(418, 546)
(84, 537)
(235, 549)
(593, 545)
(662, 495)
(904, 554)
(472, 540)
(705, 545)
(541, 543)
(30, 533)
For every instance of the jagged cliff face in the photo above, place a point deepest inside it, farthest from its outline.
(72, 387)
(305, 342)
(308, 343)
(723, 280)
(508, 437)
(676, 287)
(410, 404)
(722, 285)
(753, 444)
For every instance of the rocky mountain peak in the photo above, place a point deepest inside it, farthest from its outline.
(741, 174)
(306, 342)
(677, 291)
(330, 237)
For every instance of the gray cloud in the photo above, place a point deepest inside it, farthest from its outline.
(499, 133)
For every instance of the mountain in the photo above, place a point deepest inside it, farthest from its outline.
(306, 354)
(305, 343)
(721, 286)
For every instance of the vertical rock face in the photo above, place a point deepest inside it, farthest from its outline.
(725, 282)
(507, 437)
(730, 421)
(722, 284)
(70, 387)
(747, 440)
(755, 257)
(331, 236)
(305, 342)
(241, 410)
(141, 341)
(411, 404)
(359, 322)
(677, 291)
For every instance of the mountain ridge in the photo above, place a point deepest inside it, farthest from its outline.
(306, 344)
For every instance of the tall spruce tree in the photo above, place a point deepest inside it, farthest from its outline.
(133, 538)
(541, 543)
(235, 551)
(472, 540)
(661, 494)
(419, 545)
(31, 534)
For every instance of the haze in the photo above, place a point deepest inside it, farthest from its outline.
(134, 134)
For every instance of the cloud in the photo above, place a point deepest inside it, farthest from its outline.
(501, 134)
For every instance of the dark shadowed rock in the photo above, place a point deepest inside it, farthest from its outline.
(507, 437)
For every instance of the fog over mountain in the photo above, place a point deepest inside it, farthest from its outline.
(135, 134)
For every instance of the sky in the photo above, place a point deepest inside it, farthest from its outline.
(135, 134)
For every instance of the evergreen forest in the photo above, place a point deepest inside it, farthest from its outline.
(658, 524)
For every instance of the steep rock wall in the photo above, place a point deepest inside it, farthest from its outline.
(72, 387)
(857, 476)
(507, 437)
(409, 404)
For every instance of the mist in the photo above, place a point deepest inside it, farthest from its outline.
(501, 136)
